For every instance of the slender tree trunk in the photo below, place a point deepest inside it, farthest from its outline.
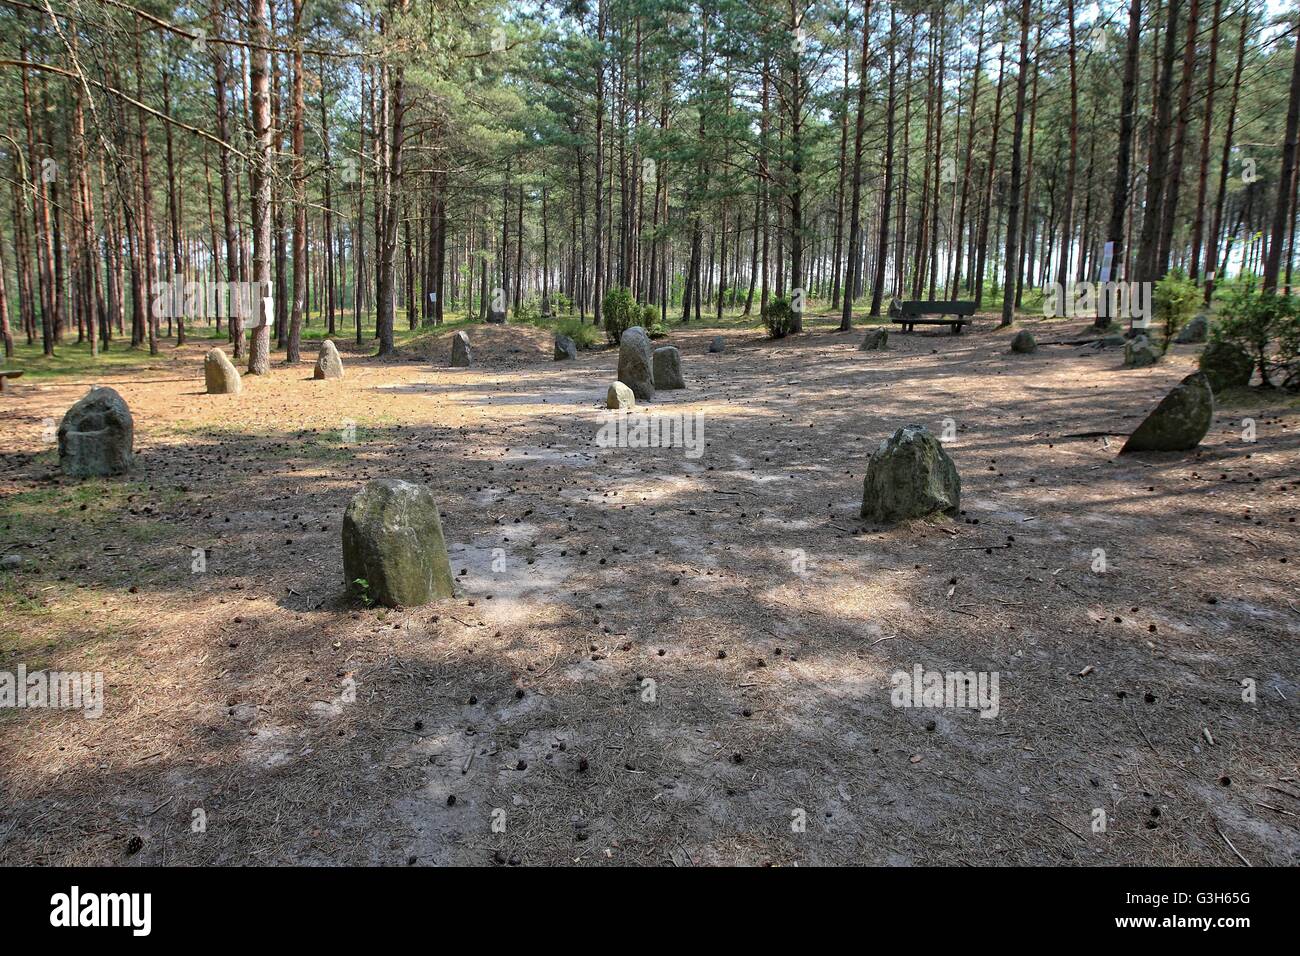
(1282, 205)
(1013, 221)
(1127, 120)
(854, 265)
(259, 361)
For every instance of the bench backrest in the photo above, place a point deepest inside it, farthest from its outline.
(935, 307)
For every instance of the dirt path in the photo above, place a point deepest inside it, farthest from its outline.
(655, 658)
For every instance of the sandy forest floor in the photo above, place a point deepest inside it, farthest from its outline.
(510, 725)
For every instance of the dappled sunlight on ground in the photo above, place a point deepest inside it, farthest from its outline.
(650, 657)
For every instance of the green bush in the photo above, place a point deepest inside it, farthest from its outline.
(1266, 325)
(529, 311)
(561, 304)
(584, 335)
(778, 317)
(620, 312)
(1174, 301)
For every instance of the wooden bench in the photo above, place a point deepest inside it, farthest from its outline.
(911, 314)
(5, 376)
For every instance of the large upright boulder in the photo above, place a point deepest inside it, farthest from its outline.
(393, 549)
(1023, 342)
(1179, 422)
(1226, 365)
(328, 362)
(461, 357)
(1194, 331)
(910, 476)
(566, 350)
(220, 377)
(96, 435)
(668, 367)
(875, 340)
(496, 316)
(636, 363)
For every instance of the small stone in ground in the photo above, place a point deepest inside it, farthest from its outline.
(461, 357)
(910, 476)
(565, 348)
(96, 436)
(328, 363)
(668, 367)
(719, 344)
(620, 396)
(220, 376)
(1195, 330)
(1023, 342)
(393, 542)
(1138, 353)
(875, 340)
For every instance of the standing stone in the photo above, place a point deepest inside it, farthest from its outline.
(461, 357)
(496, 317)
(620, 396)
(1023, 342)
(1226, 365)
(719, 344)
(328, 363)
(392, 540)
(636, 363)
(1180, 421)
(668, 367)
(875, 340)
(1138, 353)
(1194, 331)
(910, 476)
(565, 348)
(220, 375)
(96, 435)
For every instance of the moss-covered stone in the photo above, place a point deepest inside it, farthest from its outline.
(636, 363)
(875, 340)
(668, 367)
(1194, 331)
(566, 350)
(97, 435)
(910, 476)
(1023, 342)
(392, 540)
(1226, 365)
(461, 356)
(1138, 353)
(1179, 422)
